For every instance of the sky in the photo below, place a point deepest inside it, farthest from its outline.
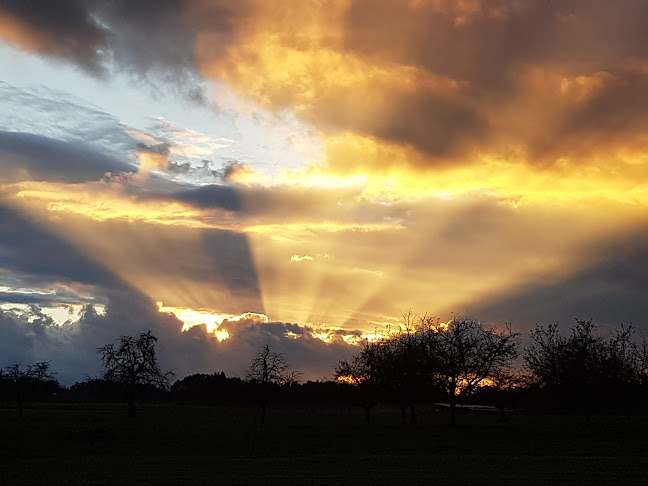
(301, 173)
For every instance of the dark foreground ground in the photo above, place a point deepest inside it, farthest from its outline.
(99, 445)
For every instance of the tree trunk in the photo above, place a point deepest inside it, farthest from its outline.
(453, 404)
(403, 414)
(367, 411)
(263, 412)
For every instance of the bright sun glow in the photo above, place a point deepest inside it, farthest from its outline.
(210, 319)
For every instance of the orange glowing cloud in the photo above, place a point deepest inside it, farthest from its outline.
(428, 120)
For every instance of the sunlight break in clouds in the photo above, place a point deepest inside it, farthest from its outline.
(209, 319)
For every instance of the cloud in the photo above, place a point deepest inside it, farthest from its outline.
(58, 115)
(25, 156)
(33, 336)
(212, 196)
(65, 30)
(239, 172)
(300, 258)
(513, 87)
(151, 39)
(446, 82)
(279, 203)
(59, 295)
(474, 151)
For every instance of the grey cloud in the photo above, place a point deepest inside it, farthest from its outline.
(63, 29)
(152, 39)
(72, 348)
(306, 354)
(162, 148)
(203, 172)
(212, 196)
(34, 157)
(57, 115)
(41, 299)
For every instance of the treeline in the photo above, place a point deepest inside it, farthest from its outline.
(203, 389)
(453, 366)
(581, 371)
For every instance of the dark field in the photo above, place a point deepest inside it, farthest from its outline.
(99, 445)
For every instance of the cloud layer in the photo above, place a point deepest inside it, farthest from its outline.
(482, 157)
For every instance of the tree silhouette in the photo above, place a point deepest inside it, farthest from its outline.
(132, 362)
(451, 358)
(463, 355)
(363, 371)
(267, 371)
(26, 382)
(405, 377)
(583, 368)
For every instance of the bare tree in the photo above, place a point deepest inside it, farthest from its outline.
(464, 354)
(22, 381)
(267, 370)
(584, 368)
(132, 362)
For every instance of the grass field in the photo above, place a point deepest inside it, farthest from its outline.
(99, 445)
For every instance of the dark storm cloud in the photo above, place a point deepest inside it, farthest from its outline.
(158, 37)
(612, 291)
(65, 29)
(151, 39)
(25, 156)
